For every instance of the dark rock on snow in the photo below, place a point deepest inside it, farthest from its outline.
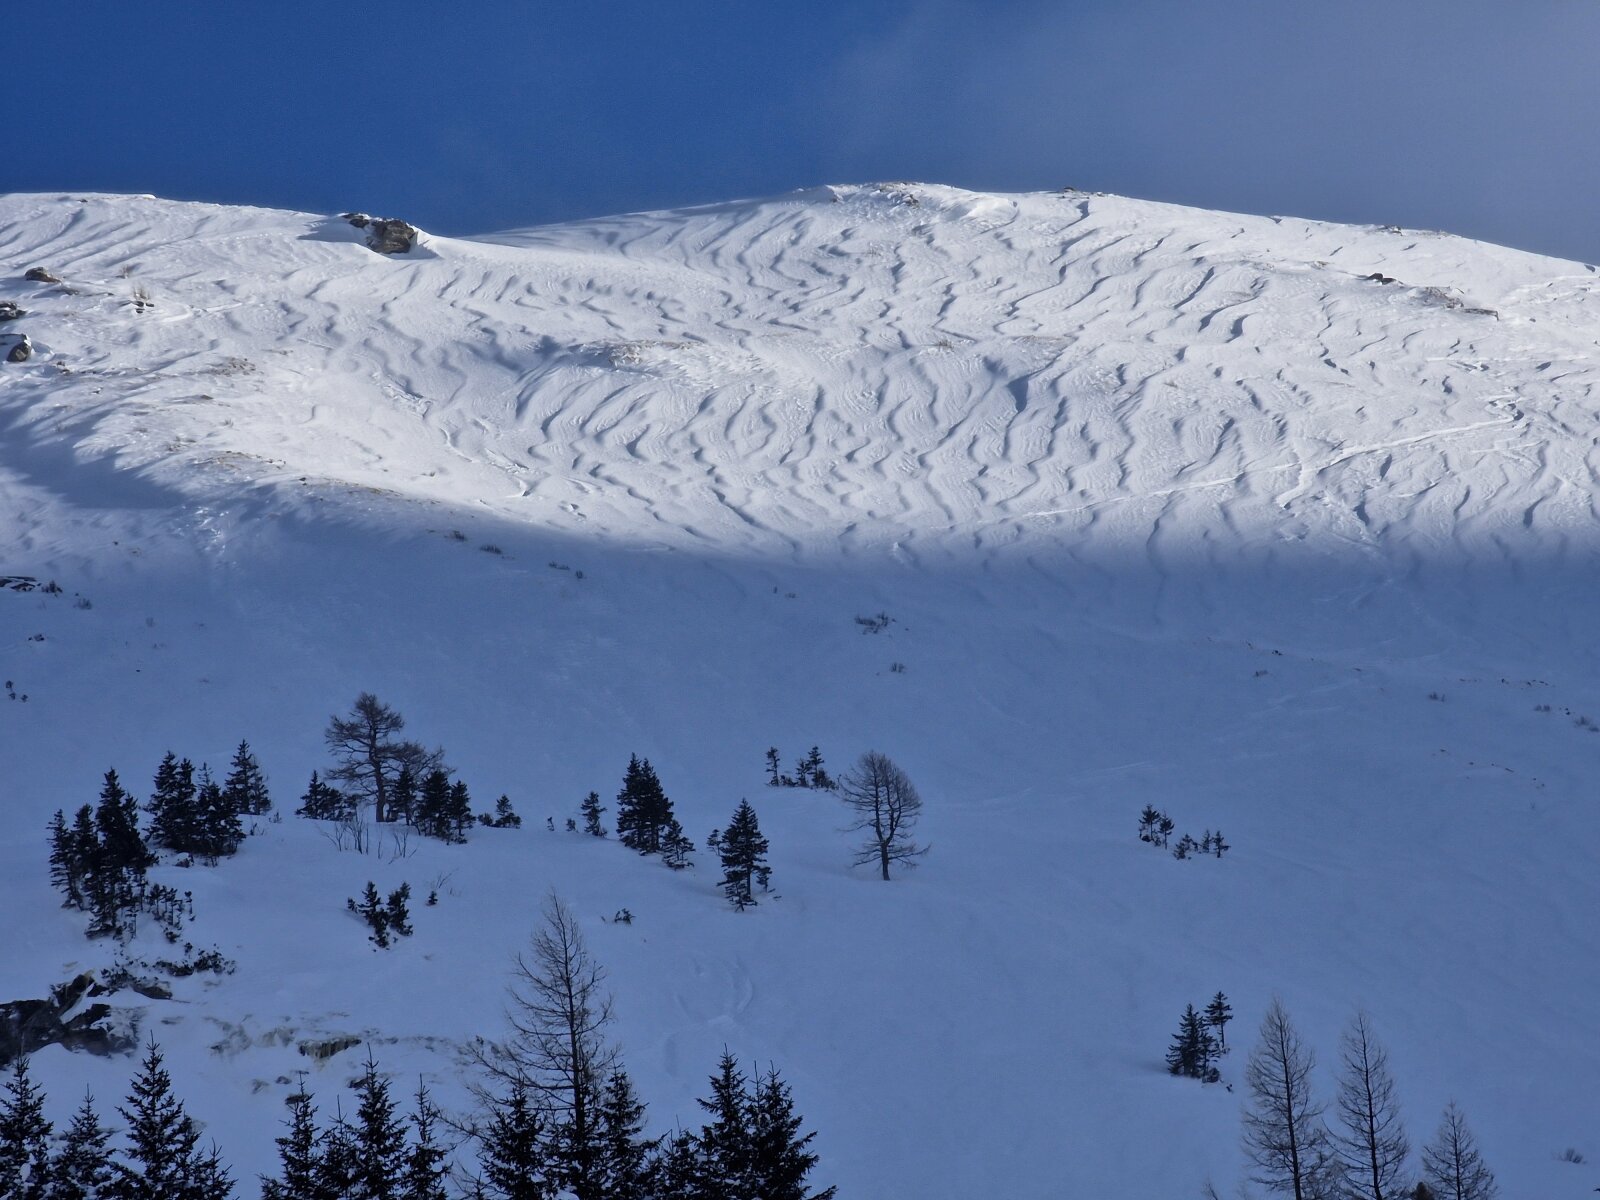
(39, 275)
(30, 1025)
(21, 350)
(358, 219)
(10, 312)
(388, 235)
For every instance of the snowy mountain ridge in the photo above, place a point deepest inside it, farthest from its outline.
(1288, 528)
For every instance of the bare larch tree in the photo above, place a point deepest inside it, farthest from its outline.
(368, 757)
(1452, 1163)
(558, 1012)
(886, 806)
(1371, 1143)
(1284, 1136)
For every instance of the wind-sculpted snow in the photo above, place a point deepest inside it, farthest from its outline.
(1068, 503)
(854, 368)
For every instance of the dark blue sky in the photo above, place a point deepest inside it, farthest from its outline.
(1476, 116)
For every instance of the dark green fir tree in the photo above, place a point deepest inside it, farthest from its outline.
(744, 857)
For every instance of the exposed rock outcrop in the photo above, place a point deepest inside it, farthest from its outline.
(39, 275)
(30, 1025)
(10, 312)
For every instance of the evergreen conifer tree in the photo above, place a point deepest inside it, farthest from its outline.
(220, 831)
(623, 1172)
(408, 803)
(380, 1139)
(66, 867)
(780, 1160)
(82, 1169)
(338, 1174)
(644, 813)
(24, 1138)
(427, 1162)
(675, 846)
(174, 817)
(432, 803)
(814, 772)
(505, 817)
(1192, 1047)
(592, 808)
(511, 1157)
(773, 777)
(458, 812)
(396, 913)
(84, 842)
(324, 803)
(121, 861)
(302, 1171)
(162, 1160)
(726, 1143)
(246, 785)
(1218, 1013)
(744, 857)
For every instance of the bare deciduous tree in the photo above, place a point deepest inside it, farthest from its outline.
(558, 1012)
(1452, 1163)
(1372, 1145)
(886, 806)
(1284, 1136)
(368, 755)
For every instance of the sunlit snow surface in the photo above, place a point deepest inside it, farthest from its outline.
(1167, 506)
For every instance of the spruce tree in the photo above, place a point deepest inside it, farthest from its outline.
(407, 804)
(220, 831)
(174, 818)
(323, 803)
(644, 813)
(246, 785)
(1218, 1013)
(818, 777)
(624, 1169)
(511, 1158)
(396, 913)
(592, 808)
(300, 1155)
(66, 869)
(1192, 1047)
(727, 1142)
(24, 1138)
(427, 1162)
(380, 1139)
(773, 778)
(121, 860)
(82, 1168)
(780, 1160)
(744, 857)
(162, 1160)
(505, 817)
(675, 846)
(458, 812)
(338, 1173)
(84, 847)
(432, 803)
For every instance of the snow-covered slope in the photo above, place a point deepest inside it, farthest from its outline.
(1167, 506)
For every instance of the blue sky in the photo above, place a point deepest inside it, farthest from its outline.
(1464, 115)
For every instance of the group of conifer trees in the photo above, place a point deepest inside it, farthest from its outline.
(1195, 1048)
(98, 861)
(157, 1156)
(646, 823)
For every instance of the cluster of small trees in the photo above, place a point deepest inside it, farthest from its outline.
(561, 1116)
(384, 917)
(191, 813)
(1155, 827)
(99, 861)
(1195, 1048)
(159, 1157)
(808, 771)
(1365, 1153)
(398, 779)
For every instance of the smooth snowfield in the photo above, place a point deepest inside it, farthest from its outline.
(1167, 506)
